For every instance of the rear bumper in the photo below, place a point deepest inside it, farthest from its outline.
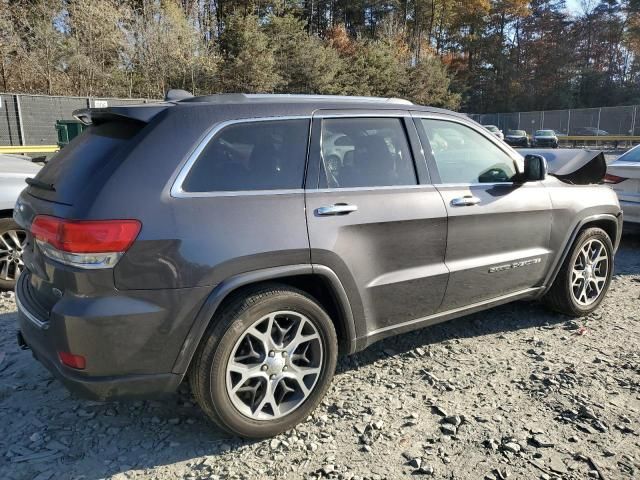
(46, 338)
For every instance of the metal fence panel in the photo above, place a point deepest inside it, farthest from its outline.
(39, 115)
(557, 120)
(509, 121)
(617, 120)
(9, 123)
(31, 119)
(530, 121)
(584, 121)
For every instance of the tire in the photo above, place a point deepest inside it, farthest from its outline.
(12, 238)
(566, 294)
(248, 407)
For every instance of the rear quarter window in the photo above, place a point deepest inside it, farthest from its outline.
(260, 155)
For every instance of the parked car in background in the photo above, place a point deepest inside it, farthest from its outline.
(517, 138)
(544, 138)
(14, 169)
(208, 239)
(589, 132)
(495, 130)
(623, 175)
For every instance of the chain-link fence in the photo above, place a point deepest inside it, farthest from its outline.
(611, 121)
(31, 119)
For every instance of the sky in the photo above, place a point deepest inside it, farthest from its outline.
(573, 5)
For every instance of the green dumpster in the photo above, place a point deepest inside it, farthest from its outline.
(68, 130)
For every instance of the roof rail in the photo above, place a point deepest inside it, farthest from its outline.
(240, 97)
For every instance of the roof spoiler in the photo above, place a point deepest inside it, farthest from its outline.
(575, 166)
(138, 113)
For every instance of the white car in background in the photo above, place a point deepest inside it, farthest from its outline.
(495, 130)
(14, 169)
(623, 175)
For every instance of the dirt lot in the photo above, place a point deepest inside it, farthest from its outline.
(513, 392)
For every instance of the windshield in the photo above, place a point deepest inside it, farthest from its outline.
(632, 155)
(517, 133)
(544, 133)
(491, 128)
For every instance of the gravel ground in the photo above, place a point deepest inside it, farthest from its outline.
(513, 392)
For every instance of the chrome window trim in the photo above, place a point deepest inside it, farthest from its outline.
(177, 191)
(425, 186)
(360, 114)
(478, 184)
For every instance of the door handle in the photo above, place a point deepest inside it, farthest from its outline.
(337, 209)
(465, 201)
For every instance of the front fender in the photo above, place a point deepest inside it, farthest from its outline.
(612, 219)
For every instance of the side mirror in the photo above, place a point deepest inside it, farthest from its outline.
(535, 168)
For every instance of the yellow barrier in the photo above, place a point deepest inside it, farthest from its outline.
(30, 149)
(601, 138)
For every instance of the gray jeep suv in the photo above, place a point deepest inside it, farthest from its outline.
(210, 238)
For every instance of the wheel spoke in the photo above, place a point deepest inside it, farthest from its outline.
(5, 242)
(274, 365)
(4, 272)
(590, 272)
(13, 235)
(300, 338)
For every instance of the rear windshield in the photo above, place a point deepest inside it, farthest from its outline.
(71, 168)
(519, 133)
(545, 133)
(632, 155)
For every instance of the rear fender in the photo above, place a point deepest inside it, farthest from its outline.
(225, 288)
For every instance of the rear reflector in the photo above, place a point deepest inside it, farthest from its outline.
(608, 178)
(93, 236)
(74, 361)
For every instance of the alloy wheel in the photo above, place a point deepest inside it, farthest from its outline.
(274, 366)
(589, 273)
(12, 243)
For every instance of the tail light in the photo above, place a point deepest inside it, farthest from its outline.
(608, 178)
(84, 244)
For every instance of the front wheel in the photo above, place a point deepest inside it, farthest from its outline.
(584, 278)
(265, 363)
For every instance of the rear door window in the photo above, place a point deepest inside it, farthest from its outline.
(365, 152)
(261, 155)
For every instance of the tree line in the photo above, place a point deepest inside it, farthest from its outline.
(476, 55)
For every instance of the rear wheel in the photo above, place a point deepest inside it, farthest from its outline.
(265, 363)
(12, 242)
(585, 275)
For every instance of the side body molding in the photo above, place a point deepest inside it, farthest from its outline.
(223, 289)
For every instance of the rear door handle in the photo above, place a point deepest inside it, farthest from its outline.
(337, 209)
(465, 201)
